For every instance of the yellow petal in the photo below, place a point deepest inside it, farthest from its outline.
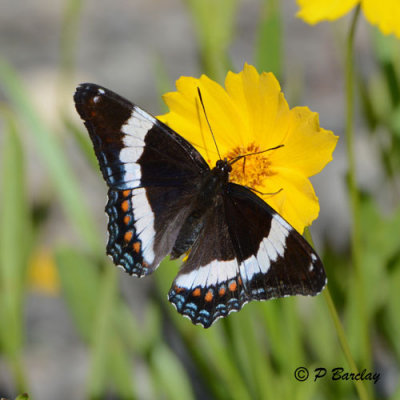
(314, 11)
(383, 13)
(296, 202)
(259, 101)
(308, 147)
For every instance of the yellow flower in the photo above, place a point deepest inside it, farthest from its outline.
(252, 115)
(43, 276)
(383, 13)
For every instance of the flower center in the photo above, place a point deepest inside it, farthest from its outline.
(250, 170)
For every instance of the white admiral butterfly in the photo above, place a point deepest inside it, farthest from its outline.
(164, 199)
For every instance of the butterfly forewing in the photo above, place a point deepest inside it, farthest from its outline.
(275, 260)
(146, 166)
(133, 148)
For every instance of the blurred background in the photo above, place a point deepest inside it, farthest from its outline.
(72, 325)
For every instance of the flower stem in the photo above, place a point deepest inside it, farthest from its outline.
(354, 196)
(362, 392)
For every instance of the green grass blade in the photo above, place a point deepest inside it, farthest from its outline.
(269, 46)
(250, 347)
(392, 314)
(80, 284)
(82, 140)
(169, 375)
(119, 367)
(209, 348)
(163, 83)
(214, 23)
(386, 50)
(69, 38)
(217, 354)
(14, 246)
(102, 333)
(282, 327)
(53, 156)
(91, 297)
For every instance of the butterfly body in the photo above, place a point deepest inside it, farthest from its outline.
(164, 200)
(213, 185)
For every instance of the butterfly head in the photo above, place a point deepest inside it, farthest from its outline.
(223, 167)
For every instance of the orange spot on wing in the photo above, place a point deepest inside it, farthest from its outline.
(127, 219)
(233, 286)
(136, 247)
(196, 292)
(125, 205)
(240, 281)
(209, 296)
(145, 265)
(128, 236)
(221, 291)
(126, 193)
(178, 289)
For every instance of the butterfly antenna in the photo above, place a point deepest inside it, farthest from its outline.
(252, 154)
(208, 122)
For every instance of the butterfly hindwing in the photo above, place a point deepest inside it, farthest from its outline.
(140, 235)
(124, 245)
(252, 254)
(209, 285)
